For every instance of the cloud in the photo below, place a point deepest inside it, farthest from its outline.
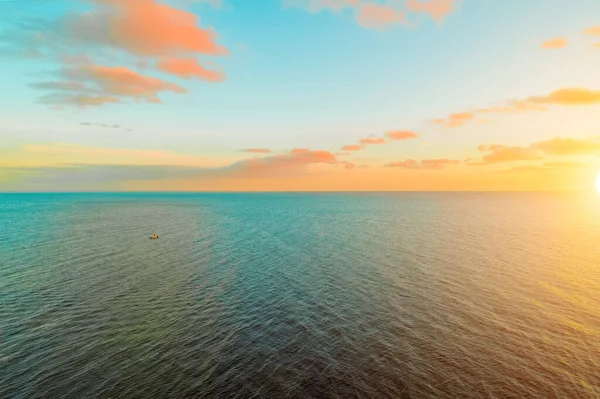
(424, 164)
(401, 135)
(407, 164)
(113, 126)
(594, 31)
(437, 9)
(438, 163)
(389, 136)
(88, 167)
(557, 42)
(373, 15)
(377, 15)
(105, 125)
(562, 97)
(558, 146)
(456, 119)
(352, 147)
(372, 140)
(144, 28)
(569, 146)
(103, 85)
(258, 150)
(500, 153)
(77, 100)
(568, 97)
(65, 85)
(144, 33)
(189, 68)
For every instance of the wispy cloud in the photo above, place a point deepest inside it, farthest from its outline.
(594, 31)
(401, 135)
(352, 147)
(563, 97)
(104, 85)
(500, 153)
(258, 150)
(373, 140)
(558, 146)
(105, 125)
(377, 15)
(388, 137)
(424, 163)
(189, 68)
(556, 43)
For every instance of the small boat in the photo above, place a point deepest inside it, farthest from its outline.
(154, 237)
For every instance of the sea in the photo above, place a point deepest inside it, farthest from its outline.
(300, 295)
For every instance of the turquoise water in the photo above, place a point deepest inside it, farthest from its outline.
(299, 295)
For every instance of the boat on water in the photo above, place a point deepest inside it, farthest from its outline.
(154, 237)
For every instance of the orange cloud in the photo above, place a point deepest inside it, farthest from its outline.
(146, 28)
(98, 85)
(568, 96)
(437, 9)
(424, 164)
(569, 146)
(154, 33)
(188, 68)
(438, 163)
(352, 147)
(557, 42)
(258, 150)
(456, 120)
(284, 164)
(407, 164)
(91, 100)
(401, 135)
(121, 81)
(500, 153)
(595, 31)
(372, 140)
(556, 146)
(564, 97)
(373, 15)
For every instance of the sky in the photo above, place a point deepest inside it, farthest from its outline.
(299, 95)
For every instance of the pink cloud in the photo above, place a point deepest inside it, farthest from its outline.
(401, 135)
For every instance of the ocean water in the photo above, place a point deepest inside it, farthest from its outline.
(409, 295)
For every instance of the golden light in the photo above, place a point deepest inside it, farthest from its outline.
(598, 183)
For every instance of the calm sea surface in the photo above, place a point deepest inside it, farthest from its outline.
(299, 295)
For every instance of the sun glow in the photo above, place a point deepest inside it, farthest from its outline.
(598, 183)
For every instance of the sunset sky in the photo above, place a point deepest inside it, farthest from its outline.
(276, 95)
